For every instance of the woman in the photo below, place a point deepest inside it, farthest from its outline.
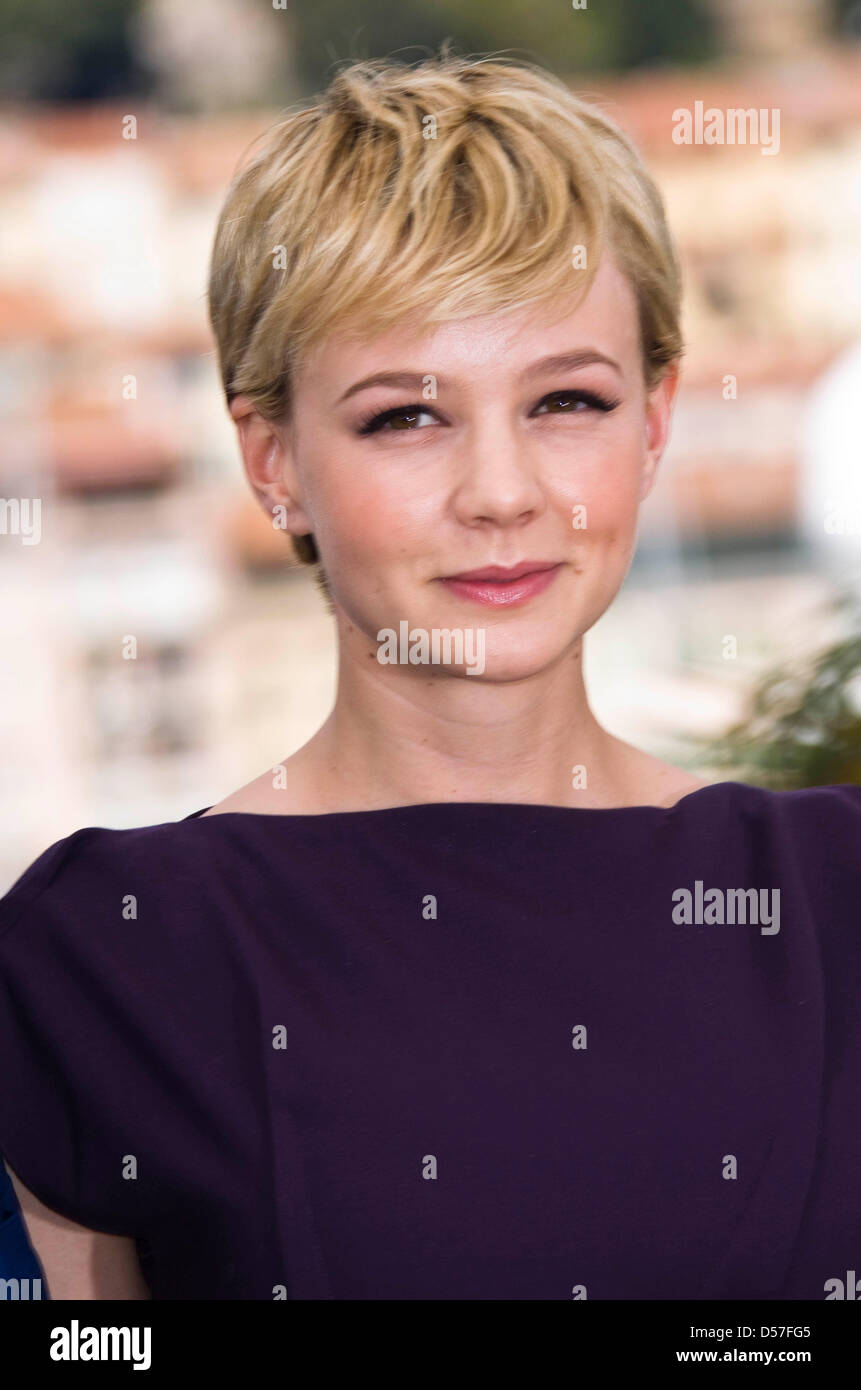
(467, 999)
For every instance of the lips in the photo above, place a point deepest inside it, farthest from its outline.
(498, 587)
(500, 572)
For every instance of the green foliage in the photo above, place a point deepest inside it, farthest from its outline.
(66, 50)
(73, 50)
(610, 35)
(802, 727)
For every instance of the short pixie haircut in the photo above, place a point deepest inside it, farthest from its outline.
(456, 186)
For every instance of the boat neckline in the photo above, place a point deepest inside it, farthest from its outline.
(454, 806)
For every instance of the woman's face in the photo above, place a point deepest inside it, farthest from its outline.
(509, 440)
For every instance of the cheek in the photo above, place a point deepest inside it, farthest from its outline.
(608, 488)
(379, 508)
(364, 514)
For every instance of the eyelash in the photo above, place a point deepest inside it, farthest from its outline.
(373, 423)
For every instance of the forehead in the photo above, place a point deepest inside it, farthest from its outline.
(494, 344)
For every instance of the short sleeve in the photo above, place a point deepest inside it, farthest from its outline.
(62, 1081)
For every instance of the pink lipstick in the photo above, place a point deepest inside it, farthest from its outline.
(504, 587)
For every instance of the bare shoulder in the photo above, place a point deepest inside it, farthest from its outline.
(654, 782)
(78, 1262)
(295, 793)
(249, 798)
(684, 788)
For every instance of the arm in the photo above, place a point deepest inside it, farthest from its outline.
(78, 1262)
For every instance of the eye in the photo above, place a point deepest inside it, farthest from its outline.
(568, 402)
(399, 417)
(405, 418)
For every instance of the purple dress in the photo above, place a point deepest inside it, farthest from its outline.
(450, 1051)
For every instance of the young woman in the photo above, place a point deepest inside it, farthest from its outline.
(467, 999)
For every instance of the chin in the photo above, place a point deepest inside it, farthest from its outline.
(499, 654)
(514, 656)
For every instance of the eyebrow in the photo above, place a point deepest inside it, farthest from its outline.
(558, 362)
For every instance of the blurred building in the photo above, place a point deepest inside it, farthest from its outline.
(161, 646)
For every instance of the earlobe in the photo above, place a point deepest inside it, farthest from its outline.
(647, 481)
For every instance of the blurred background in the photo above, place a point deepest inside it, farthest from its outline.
(160, 644)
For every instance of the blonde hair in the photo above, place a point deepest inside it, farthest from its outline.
(457, 186)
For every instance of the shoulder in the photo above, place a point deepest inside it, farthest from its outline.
(837, 800)
(839, 803)
(105, 922)
(805, 840)
(828, 816)
(112, 989)
(824, 833)
(80, 870)
(833, 810)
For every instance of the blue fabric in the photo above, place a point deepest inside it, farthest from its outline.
(17, 1260)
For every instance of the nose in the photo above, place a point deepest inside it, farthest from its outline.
(498, 478)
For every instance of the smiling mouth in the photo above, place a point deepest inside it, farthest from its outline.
(502, 588)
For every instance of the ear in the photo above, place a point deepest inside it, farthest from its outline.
(270, 465)
(659, 411)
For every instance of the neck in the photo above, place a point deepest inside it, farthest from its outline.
(401, 735)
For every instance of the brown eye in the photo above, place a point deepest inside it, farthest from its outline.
(405, 419)
(401, 417)
(570, 403)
